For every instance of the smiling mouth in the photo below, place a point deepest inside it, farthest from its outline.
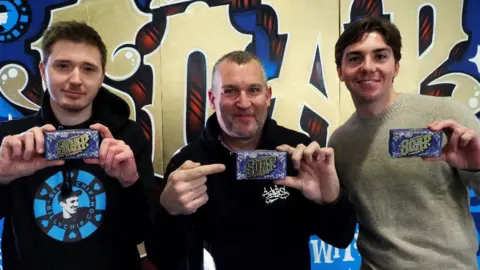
(368, 81)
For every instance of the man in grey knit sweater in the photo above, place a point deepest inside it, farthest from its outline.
(413, 214)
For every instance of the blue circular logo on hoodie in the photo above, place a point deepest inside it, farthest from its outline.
(74, 216)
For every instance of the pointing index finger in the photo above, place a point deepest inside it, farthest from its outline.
(203, 170)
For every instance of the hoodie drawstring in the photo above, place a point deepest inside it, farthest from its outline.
(66, 188)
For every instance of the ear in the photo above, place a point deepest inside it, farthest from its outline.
(396, 69)
(211, 98)
(269, 96)
(41, 66)
(340, 73)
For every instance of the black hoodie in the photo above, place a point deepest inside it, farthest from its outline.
(100, 224)
(246, 224)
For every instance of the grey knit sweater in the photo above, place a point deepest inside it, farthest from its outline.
(412, 214)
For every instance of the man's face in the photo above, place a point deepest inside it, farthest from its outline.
(368, 68)
(73, 74)
(240, 98)
(70, 205)
(3, 17)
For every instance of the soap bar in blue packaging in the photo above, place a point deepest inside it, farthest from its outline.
(261, 165)
(417, 142)
(72, 144)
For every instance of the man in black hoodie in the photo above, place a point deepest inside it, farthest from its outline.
(112, 211)
(247, 224)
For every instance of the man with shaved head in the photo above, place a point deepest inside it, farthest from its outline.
(247, 224)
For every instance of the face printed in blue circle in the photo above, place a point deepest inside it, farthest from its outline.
(69, 204)
(74, 216)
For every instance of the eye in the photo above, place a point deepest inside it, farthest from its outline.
(381, 56)
(254, 89)
(89, 69)
(62, 65)
(353, 59)
(229, 91)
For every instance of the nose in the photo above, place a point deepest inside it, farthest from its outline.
(369, 65)
(243, 100)
(76, 77)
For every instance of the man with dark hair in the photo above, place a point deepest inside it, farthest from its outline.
(117, 186)
(76, 32)
(71, 214)
(412, 214)
(69, 203)
(356, 32)
(247, 224)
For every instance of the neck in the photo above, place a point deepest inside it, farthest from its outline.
(376, 107)
(234, 144)
(71, 118)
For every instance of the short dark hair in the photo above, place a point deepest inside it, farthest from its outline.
(73, 31)
(356, 31)
(240, 58)
(74, 193)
